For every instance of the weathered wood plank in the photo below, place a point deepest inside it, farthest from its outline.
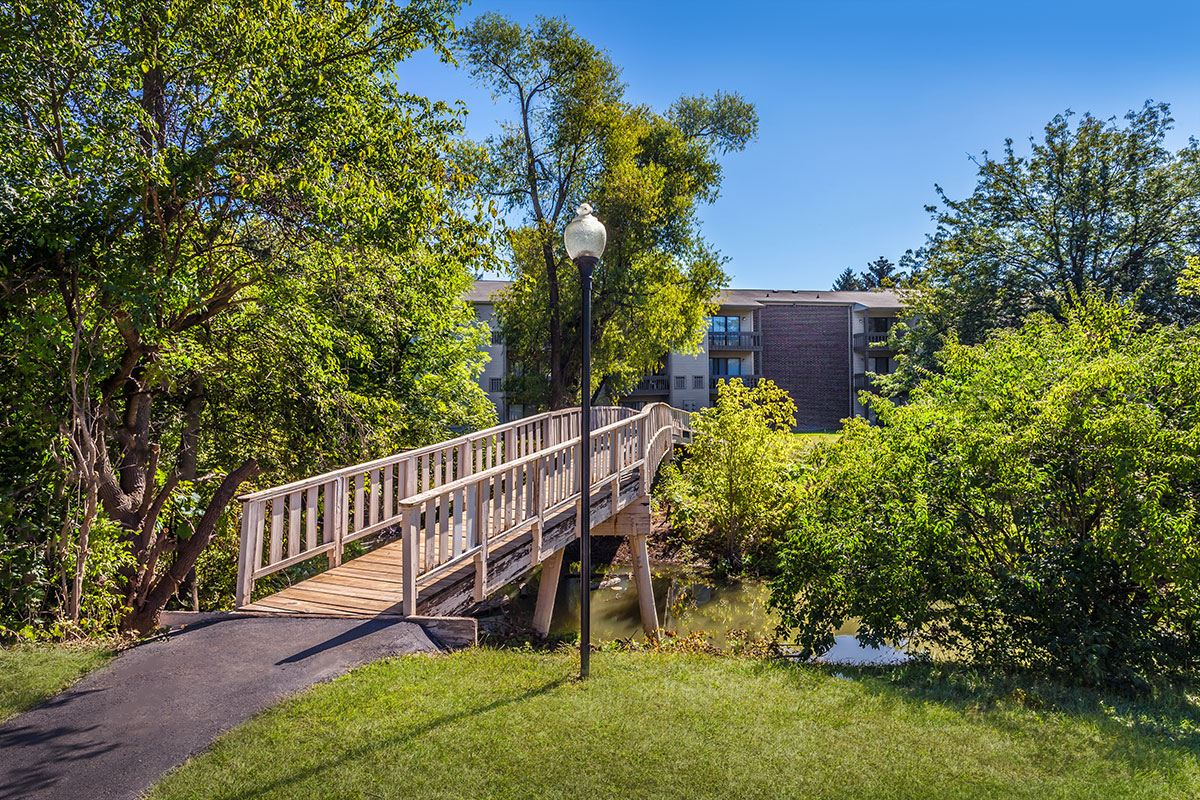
(276, 530)
(310, 518)
(547, 589)
(430, 534)
(443, 555)
(293, 533)
(319, 595)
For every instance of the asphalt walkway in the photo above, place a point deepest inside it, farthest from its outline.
(115, 732)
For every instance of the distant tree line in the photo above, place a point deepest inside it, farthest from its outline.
(1094, 205)
(879, 274)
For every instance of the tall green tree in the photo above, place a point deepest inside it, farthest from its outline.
(880, 274)
(574, 138)
(1095, 204)
(847, 281)
(231, 244)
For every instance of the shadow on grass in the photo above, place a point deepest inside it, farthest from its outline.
(337, 760)
(1152, 731)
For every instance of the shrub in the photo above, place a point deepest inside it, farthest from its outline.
(729, 499)
(1033, 505)
(37, 560)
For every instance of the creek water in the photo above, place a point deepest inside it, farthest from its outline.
(688, 603)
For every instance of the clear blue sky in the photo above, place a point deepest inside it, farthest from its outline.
(864, 106)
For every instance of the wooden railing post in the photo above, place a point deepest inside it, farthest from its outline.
(538, 476)
(641, 443)
(481, 540)
(246, 558)
(409, 566)
(341, 517)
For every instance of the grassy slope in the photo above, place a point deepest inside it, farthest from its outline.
(506, 724)
(31, 673)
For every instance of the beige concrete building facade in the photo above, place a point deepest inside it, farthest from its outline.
(822, 347)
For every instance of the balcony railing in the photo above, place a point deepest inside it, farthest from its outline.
(656, 384)
(873, 339)
(745, 340)
(750, 379)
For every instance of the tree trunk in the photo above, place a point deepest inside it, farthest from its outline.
(75, 598)
(143, 615)
(558, 389)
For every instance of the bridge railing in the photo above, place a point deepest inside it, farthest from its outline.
(286, 525)
(450, 524)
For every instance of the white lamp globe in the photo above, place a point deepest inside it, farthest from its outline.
(585, 235)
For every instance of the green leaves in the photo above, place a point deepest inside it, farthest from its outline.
(227, 237)
(1094, 204)
(732, 495)
(1034, 504)
(574, 137)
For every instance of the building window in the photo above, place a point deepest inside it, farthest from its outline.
(881, 365)
(497, 337)
(680, 381)
(496, 385)
(725, 324)
(697, 381)
(879, 324)
(725, 366)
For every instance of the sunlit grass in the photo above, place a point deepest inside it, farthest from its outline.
(807, 441)
(31, 673)
(507, 724)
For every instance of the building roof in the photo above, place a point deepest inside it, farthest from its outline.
(483, 292)
(756, 298)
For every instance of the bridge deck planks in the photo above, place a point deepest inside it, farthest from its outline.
(368, 586)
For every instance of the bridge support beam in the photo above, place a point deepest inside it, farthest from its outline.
(633, 522)
(645, 589)
(547, 589)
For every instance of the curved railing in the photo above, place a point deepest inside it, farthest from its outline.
(452, 499)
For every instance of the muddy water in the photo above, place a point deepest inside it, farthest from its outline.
(688, 603)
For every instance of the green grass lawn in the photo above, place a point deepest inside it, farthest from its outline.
(31, 673)
(510, 724)
(807, 441)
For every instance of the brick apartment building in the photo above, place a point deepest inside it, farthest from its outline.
(822, 347)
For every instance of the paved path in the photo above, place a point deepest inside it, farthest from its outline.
(114, 733)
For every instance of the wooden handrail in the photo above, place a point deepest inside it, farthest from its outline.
(325, 477)
(500, 469)
(454, 519)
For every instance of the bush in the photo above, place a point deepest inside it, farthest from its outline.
(1034, 505)
(729, 499)
(37, 560)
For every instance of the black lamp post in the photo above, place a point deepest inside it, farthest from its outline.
(585, 238)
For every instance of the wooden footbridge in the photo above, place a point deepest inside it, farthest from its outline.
(466, 517)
